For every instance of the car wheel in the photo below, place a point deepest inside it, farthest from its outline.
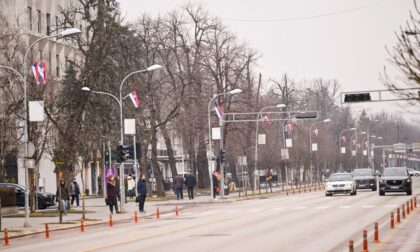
(353, 193)
(409, 192)
(41, 205)
(328, 194)
(381, 193)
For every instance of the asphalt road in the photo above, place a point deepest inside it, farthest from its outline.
(305, 222)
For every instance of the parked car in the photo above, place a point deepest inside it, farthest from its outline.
(44, 199)
(340, 183)
(413, 172)
(365, 179)
(395, 179)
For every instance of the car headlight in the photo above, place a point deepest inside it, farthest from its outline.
(408, 180)
(381, 181)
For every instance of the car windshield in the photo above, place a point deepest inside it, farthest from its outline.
(395, 172)
(362, 173)
(339, 177)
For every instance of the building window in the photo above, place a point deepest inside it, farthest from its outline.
(30, 18)
(48, 24)
(49, 63)
(39, 21)
(57, 61)
(57, 23)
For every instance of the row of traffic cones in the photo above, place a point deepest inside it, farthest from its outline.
(405, 208)
(6, 240)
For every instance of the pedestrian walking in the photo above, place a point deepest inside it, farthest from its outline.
(62, 196)
(111, 190)
(75, 192)
(131, 186)
(190, 182)
(142, 192)
(179, 186)
(215, 179)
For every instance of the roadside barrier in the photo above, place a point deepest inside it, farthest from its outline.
(408, 208)
(365, 241)
(398, 216)
(136, 217)
(176, 211)
(376, 235)
(47, 231)
(392, 220)
(82, 225)
(6, 237)
(110, 220)
(415, 202)
(351, 246)
(157, 213)
(412, 204)
(403, 211)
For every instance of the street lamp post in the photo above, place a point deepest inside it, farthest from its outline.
(256, 141)
(231, 92)
(119, 101)
(339, 145)
(310, 145)
(65, 33)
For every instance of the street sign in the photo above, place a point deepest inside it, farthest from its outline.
(289, 143)
(242, 160)
(36, 111)
(130, 126)
(314, 147)
(284, 153)
(343, 150)
(215, 133)
(353, 153)
(364, 152)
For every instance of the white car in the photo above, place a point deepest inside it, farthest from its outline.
(340, 183)
(413, 172)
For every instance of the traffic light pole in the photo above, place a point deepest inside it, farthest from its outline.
(222, 165)
(135, 162)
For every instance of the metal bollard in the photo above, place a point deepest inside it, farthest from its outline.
(6, 237)
(351, 246)
(392, 220)
(136, 217)
(365, 241)
(398, 216)
(376, 235)
(403, 211)
(408, 208)
(82, 225)
(157, 213)
(412, 204)
(110, 220)
(176, 211)
(47, 231)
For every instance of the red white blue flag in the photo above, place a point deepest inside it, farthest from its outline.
(135, 98)
(267, 120)
(40, 72)
(316, 131)
(219, 111)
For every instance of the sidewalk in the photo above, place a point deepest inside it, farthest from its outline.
(98, 213)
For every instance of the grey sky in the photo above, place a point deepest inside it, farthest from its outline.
(349, 47)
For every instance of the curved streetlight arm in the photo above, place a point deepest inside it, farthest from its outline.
(128, 75)
(14, 70)
(105, 93)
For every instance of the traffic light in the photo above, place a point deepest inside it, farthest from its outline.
(107, 158)
(222, 156)
(306, 115)
(362, 97)
(124, 152)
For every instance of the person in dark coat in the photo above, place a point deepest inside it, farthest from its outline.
(142, 192)
(179, 186)
(215, 184)
(190, 182)
(111, 190)
(75, 193)
(63, 196)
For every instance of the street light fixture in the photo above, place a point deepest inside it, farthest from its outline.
(65, 33)
(120, 103)
(339, 144)
(256, 140)
(231, 92)
(310, 144)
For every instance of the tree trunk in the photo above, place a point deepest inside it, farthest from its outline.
(202, 164)
(156, 169)
(169, 148)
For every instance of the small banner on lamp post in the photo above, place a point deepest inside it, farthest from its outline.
(130, 126)
(353, 153)
(284, 153)
(289, 143)
(215, 133)
(364, 152)
(261, 138)
(36, 111)
(343, 150)
(314, 147)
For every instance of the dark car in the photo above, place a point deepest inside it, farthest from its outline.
(395, 179)
(365, 179)
(44, 199)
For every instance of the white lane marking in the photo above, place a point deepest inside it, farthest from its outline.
(390, 206)
(232, 211)
(345, 207)
(207, 213)
(323, 207)
(277, 209)
(368, 206)
(256, 210)
(299, 208)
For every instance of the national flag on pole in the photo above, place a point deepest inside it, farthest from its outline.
(219, 111)
(267, 120)
(316, 131)
(40, 72)
(289, 127)
(135, 98)
(344, 139)
(354, 141)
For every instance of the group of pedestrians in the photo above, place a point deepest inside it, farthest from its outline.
(64, 193)
(189, 182)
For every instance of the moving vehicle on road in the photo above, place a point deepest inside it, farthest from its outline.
(395, 179)
(44, 199)
(413, 172)
(340, 183)
(365, 179)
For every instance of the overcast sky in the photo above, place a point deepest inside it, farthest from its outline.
(348, 46)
